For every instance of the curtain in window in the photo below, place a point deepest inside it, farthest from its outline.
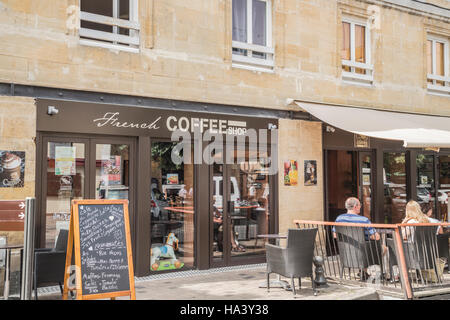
(345, 51)
(430, 58)
(440, 61)
(360, 46)
(259, 22)
(240, 20)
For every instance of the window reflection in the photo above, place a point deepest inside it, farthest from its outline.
(65, 182)
(394, 177)
(444, 187)
(250, 190)
(172, 210)
(425, 182)
(112, 170)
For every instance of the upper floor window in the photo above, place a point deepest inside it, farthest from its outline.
(252, 35)
(110, 24)
(355, 51)
(438, 76)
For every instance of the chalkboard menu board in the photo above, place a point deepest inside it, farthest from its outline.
(100, 235)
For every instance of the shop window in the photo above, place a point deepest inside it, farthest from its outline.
(355, 51)
(252, 35)
(444, 188)
(438, 76)
(110, 24)
(112, 171)
(172, 210)
(426, 192)
(395, 194)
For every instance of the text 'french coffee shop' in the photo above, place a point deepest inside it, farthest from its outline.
(203, 209)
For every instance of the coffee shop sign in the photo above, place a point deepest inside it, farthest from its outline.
(184, 124)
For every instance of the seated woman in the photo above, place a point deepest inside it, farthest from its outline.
(413, 214)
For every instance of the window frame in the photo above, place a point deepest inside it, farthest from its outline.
(352, 76)
(247, 61)
(132, 40)
(432, 87)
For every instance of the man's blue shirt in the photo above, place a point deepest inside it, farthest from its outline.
(355, 218)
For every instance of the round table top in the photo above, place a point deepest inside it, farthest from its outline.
(11, 246)
(273, 236)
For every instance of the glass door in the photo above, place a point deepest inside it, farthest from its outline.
(112, 171)
(365, 184)
(64, 179)
(82, 168)
(444, 187)
(240, 209)
(249, 198)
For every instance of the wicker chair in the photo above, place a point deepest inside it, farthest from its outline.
(294, 261)
(357, 252)
(49, 264)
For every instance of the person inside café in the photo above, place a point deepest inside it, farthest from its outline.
(218, 233)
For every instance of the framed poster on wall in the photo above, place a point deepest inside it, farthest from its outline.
(310, 168)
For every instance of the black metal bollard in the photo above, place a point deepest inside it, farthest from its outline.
(319, 279)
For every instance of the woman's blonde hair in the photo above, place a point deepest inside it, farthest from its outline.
(413, 211)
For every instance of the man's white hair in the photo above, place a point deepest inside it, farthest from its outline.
(351, 203)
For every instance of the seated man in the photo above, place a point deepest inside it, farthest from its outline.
(353, 207)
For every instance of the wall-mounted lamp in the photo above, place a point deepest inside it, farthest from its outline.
(51, 110)
(330, 129)
(271, 126)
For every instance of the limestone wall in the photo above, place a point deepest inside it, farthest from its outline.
(299, 140)
(185, 53)
(17, 131)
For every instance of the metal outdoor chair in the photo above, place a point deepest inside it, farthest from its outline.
(443, 247)
(421, 251)
(294, 261)
(355, 252)
(49, 264)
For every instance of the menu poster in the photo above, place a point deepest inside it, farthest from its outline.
(12, 169)
(310, 172)
(111, 170)
(65, 161)
(290, 173)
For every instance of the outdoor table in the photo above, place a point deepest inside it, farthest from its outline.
(181, 209)
(278, 283)
(8, 249)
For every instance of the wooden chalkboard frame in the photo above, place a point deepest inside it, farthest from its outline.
(74, 243)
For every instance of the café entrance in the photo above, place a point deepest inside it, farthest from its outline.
(79, 167)
(241, 209)
(124, 152)
(348, 174)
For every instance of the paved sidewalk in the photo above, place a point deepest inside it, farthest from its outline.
(232, 283)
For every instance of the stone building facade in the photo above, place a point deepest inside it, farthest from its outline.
(182, 52)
